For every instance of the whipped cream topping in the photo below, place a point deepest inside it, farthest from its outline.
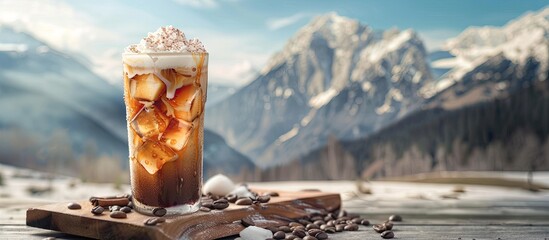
(165, 40)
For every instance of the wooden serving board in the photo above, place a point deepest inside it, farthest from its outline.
(199, 225)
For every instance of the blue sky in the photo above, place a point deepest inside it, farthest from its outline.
(240, 34)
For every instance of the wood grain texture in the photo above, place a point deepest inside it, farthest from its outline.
(200, 225)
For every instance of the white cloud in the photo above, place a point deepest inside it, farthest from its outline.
(277, 23)
(64, 28)
(434, 39)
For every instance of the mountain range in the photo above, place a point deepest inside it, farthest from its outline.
(337, 77)
(56, 109)
(340, 79)
(488, 110)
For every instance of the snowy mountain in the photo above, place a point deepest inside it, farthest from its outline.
(48, 96)
(520, 41)
(337, 77)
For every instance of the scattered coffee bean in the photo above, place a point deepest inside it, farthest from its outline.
(356, 220)
(309, 238)
(150, 221)
(379, 228)
(330, 230)
(159, 212)
(304, 222)
(246, 222)
(340, 227)
(395, 218)
(231, 198)
(160, 220)
(220, 204)
(118, 214)
(97, 210)
(207, 203)
(351, 227)
(312, 226)
(264, 198)
(321, 235)
(272, 194)
(319, 222)
(330, 223)
(387, 234)
(388, 225)
(294, 224)
(365, 222)
(244, 201)
(272, 229)
(285, 229)
(313, 232)
(126, 209)
(291, 237)
(130, 205)
(204, 209)
(74, 206)
(299, 233)
(279, 235)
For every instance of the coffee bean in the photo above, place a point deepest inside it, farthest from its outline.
(351, 227)
(126, 209)
(246, 222)
(74, 206)
(204, 209)
(321, 235)
(207, 204)
(319, 222)
(388, 225)
(159, 212)
(299, 233)
(365, 222)
(160, 220)
(264, 198)
(290, 237)
(279, 235)
(387, 234)
(294, 224)
(97, 210)
(330, 230)
(285, 229)
(330, 223)
(118, 214)
(357, 220)
(272, 229)
(130, 205)
(244, 201)
(304, 222)
(379, 228)
(298, 227)
(309, 238)
(312, 226)
(395, 218)
(272, 194)
(313, 232)
(231, 198)
(220, 204)
(340, 227)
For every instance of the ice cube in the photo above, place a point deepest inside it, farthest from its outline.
(189, 71)
(150, 122)
(152, 155)
(254, 233)
(177, 134)
(178, 79)
(147, 87)
(187, 103)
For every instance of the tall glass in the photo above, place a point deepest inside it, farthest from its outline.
(165, 96)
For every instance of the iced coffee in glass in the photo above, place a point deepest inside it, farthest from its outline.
(165, 82)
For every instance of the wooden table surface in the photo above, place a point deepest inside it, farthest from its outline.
(428, 212)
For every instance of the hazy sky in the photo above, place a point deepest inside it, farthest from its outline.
(239, 34)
